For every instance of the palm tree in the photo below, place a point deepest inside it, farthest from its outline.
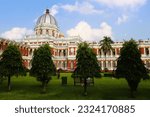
(105, 45)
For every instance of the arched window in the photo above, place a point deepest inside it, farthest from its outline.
(64, 52)
(99, 52)
(113, 52)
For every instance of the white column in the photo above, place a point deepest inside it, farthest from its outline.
(32, 52)
(61, 64)
(106, 64)
(72, 65)
(29, 62)
(111, 65)
(50, 32)
(65, 64)
(102, 53)
(111, 53)
(97, 52)
(61, 53)
(102, 65)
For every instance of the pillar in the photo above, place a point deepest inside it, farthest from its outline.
(66, 65)
(111, 53)
(106, 64)
(102, 53)
(102, 65)
(111, 65)
(144, 52)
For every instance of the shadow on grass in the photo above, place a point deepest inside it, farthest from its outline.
(103, 89)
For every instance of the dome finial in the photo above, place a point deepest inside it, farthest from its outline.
(47, 11)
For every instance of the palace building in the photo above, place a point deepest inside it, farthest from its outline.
(64, 49)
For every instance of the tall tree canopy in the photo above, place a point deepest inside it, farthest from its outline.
(11, 63)
(105, 46)
(87, 64)
(42, 65)
(130, 65)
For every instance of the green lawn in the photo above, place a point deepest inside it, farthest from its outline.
(27, 88)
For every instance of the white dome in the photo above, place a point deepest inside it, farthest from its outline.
(46, 20)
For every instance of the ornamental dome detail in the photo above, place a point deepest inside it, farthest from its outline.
(47, 25)
(46, 20)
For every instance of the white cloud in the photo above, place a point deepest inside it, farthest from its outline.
(16, 33)
(88, 33)
(122, 19)
(54, 10)
(122, 3)
(84, 8)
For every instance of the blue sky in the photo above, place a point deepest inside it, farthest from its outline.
(91, 19)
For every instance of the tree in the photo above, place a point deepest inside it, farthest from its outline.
(87, 64)
(130, 66)
(42, 65)
(11, 63)
(105, 46)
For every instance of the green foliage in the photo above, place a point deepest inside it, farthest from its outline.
(87, 64)
(11, 63)
(42, 65)
(2, 79)
(130, 65)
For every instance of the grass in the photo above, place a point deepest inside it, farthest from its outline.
(27, 88)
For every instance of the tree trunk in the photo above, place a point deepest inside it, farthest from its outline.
(85, 87)
(44, 87)
(132, 94)
(9, 83)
